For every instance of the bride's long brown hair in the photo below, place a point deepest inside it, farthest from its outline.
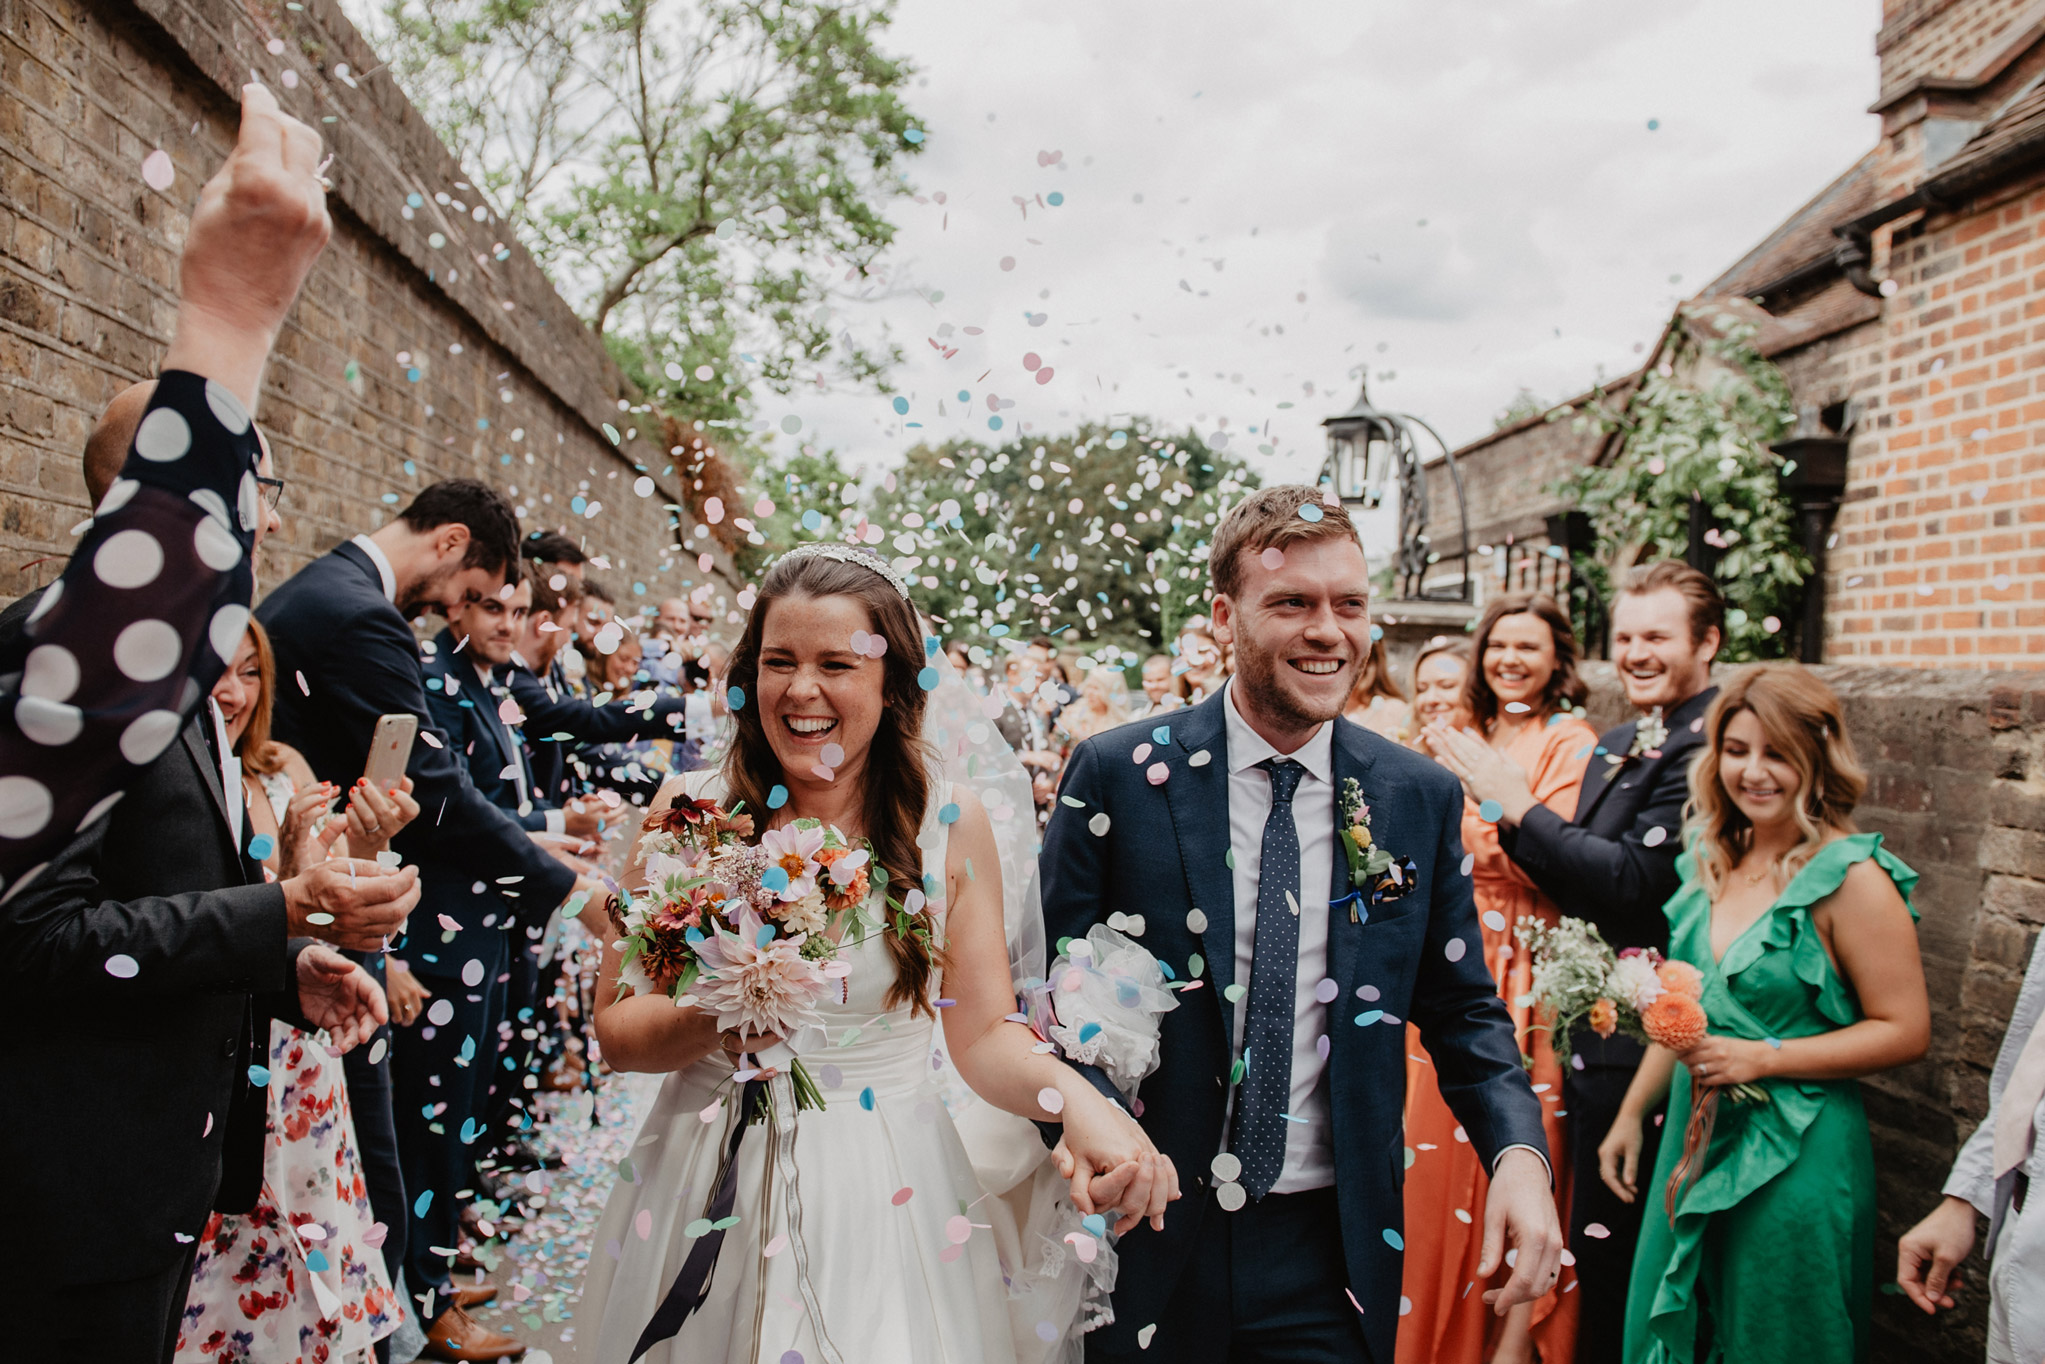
(896, 779)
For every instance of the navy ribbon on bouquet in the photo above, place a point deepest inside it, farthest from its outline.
(692, 1284)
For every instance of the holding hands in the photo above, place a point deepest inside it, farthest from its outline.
(1112, 1164)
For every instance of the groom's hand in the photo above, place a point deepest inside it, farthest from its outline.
(1521, 1207)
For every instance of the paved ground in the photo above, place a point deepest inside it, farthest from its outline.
(539, 1273)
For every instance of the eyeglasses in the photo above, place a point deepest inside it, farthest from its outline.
(273, 490)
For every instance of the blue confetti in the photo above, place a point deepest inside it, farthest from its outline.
(1394, 1240)
(914, 135)
(470, 1131)
(1368, 1017)
(866, 1098)
(1054, 198)
(1490, 811)
(316, 1260)
(1095, 1223)
(1161, 735)
(736, 698)
(422, 1203)
(261, 846)
(1310, 512)
(927, 679)
(1377, 632)
(259, 1077)
(1089, 1032)
(949, 814)
(901, 406)
(812, 519)
(764, 936)
(778, 797)
(774, 879)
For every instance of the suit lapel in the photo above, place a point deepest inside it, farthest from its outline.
(1597, 778)
(1198, 797)
(1352, 762)
(209, 775)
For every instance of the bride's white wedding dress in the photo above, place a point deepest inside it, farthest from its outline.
(864, 1235)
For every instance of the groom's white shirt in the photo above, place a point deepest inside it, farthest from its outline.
(1309, 1147)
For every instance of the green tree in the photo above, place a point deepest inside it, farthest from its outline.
(1700, 427)
(703, 179)
(1098, 536)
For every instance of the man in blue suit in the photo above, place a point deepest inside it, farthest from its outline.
(1282, 1080)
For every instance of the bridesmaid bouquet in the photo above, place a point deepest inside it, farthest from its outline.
(740, 929)
(1579, 979)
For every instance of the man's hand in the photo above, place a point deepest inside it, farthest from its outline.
(300, 843)
(260, 223)
(407, 996)
(336, 994)
(1486, 773)
(1931, 1250)
(595, 913)
(351, 902)
(1521, 1207)
(582, 819)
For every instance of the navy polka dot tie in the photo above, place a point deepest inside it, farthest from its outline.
(1266, 1091)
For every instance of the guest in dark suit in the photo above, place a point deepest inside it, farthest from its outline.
(1614, 865)
(345, 656)
(142, 971)
(1279, 1091)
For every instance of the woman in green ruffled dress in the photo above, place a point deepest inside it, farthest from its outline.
(1760, 1247)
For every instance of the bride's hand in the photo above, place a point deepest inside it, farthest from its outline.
(1112, 1163)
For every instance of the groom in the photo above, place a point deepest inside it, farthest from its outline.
(1282, 1083)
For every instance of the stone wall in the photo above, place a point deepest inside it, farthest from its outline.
(425, 345)
(1956, 762)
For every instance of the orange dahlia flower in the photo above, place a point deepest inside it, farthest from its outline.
(1681, 978)
(1675, 1021)
(1604, 1018)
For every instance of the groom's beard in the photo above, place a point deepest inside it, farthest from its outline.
(1261, 674)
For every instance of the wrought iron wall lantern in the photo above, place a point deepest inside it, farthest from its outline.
(1372, 452)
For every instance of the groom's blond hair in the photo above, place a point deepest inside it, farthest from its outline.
(1269, 519)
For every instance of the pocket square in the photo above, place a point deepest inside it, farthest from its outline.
(1395, 883)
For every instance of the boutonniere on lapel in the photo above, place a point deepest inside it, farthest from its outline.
(1373, 870)
(1650, 732)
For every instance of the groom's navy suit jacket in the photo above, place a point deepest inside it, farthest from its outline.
(1163, 855)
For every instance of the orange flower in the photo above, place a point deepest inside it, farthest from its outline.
(837, 897)
(1681, 978)
(1604, 1018)
(1675, 1021)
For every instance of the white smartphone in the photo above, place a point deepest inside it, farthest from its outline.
(390, 748)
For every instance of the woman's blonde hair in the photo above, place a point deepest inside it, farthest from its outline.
(1083, 724)
(1802, 721)
(1374, 678)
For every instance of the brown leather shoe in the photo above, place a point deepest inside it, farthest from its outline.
(457, 1335)
(467, 1295)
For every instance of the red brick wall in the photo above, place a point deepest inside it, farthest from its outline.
(88, 260)
(1938, 560)
(1941, 37)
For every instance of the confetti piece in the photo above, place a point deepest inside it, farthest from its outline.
(1654, 837)
(1597, 1231)
(775, 1246)
(1050, 1100)
(902, 1195)
(1274, 557)
(1454, 949)
(1490, 811)
(736, 698)
(958, 1229)
(1310, 512)
(1394, 1240)
(699, 1227)
(642, 1224)
(259, 1076)
(1144, 1335)
(1226, 1167)
(121, 966)
(1368, 1017)
(777, 797)
(1099, 824)
(261, 846)
(1200, 759)
(1156, 774)
(866, 1096)
(422, 1203)
(157, 171)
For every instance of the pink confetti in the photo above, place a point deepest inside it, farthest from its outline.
(713, 509)
(959, 1229)
(704, 561)
(1033, 362)
(1272, 558)
(426, 737)
(902, 1195)
(775, 1246)
(1044, 374)
(642, 1225)
(950, 1253)
(450, 924)
(209, 1128)
(1352, 1300)
(1597, 1231)
(303, 686)
(1083, 1245)
(1156, 774)
(374, 1237)
(509, 713)
(1050, 1100)
(157, 171)
(764, 507)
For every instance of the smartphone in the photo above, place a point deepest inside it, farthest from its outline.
(390, 748)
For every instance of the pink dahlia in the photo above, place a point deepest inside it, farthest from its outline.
(757, 988)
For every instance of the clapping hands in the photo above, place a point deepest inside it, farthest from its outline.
(339, 996)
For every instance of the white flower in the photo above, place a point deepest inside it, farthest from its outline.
(806, 915)
(1634, 982)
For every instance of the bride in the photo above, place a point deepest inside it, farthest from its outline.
(860, 1231)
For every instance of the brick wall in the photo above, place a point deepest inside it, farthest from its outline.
(1937, 561)
(498, 380)
(1943, 37)
(1957, 767)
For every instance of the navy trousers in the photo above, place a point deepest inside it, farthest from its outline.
(440, 1079)
(1265, 1285)
(1604, 1265)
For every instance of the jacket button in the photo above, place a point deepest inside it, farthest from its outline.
(227, 1047)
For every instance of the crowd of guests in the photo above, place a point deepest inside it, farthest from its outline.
(287, 980)
(300, 902)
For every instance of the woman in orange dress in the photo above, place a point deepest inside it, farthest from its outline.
(1521, 698)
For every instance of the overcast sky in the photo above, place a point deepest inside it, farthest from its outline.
(1470, 195)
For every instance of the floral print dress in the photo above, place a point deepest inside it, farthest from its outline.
(298, 1279)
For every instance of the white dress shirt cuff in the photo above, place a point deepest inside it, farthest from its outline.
(557, 821)
(1522, 1146)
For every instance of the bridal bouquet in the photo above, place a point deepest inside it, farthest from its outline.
(740, 929)
(1578, 978)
